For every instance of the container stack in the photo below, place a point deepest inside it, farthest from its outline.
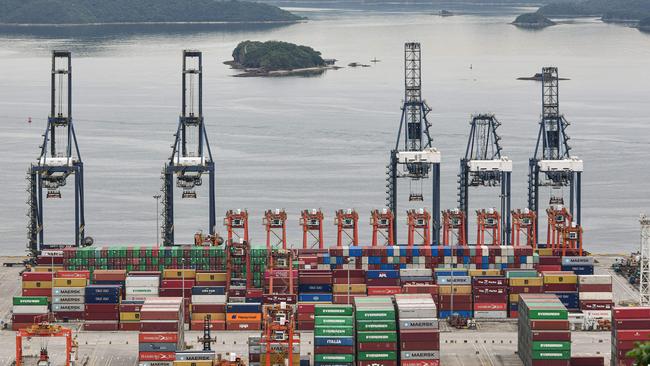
(596, 298)
(162, 314)
(418, 281)
(376, 331)
(334, 335)
(69, 294)
(522, 283)
(258, 258)
(243, 316)
(37, 284)
(347, 284)
(629, 326)
(102, 310)
(490, 297)
(419, 337)
(383, 282)
(179, 283)
(208, 300)
(130, 314)
(257, 351)
(158, 348)
(544, 336)
(28, 310)
(109, 277)
(142, 285)
(578, 265)
(454, 292)
(549, 262)
(315, 286)
(564, 285)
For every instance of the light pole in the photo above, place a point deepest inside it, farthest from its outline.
(157, 198)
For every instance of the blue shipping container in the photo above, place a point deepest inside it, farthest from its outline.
(570, 299)
(208, 290)
(392, 274)
(447, 313)
(315, 297)
(315, 288)
(334, 341)
(102, 299)
(244, 308)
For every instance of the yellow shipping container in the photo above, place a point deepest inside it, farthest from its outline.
(546, 252)
(514, 297)
(565, 278)
(178, 273)
(70, 282)
(458, 289)
(527, 281)
(129, 317)
(212, 276)
(47, 268)
(213, 316)
(354, 288)
(484, 272)
(193, 363)
(37, 284)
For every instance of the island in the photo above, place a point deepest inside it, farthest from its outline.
(50, 12)
(622, 11)
(275, 58)
(533, 20)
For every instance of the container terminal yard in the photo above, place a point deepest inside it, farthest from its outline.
(508, 298)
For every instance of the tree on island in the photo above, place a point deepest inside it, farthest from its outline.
(276, 55)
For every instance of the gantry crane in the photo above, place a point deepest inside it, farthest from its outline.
(275, 223)
(347, 225)
(279, 330)
(488, 227)
(236, 222)
(312, 228)
(419, 222)
(523, 224)
(238, 265)
(552, 164)
(414, 154)
(453, 226)
(558, 219)
(191, 155)
(44, 330)
(382, 225)
(484, 166)
(281, 277)
(59, 158)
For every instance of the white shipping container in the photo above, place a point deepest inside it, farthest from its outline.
(488, 314)
(29, 309)
(155, 363)
(578, 261)
(208, 299)
(596, 296)
(68, 307)
(144, 281)
(598, 314)
(68, 299)
(68, 291)
(424, 272)
(140, 297)
(595, 279)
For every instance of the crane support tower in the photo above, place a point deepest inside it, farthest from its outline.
(275, 223)
(644, 265)
(347, 224)
(382, 226)
(238, 264)
(559, 219)
(312, 228)
(484, 166)
(59, 158)
(281, 277)
(419, 222)
(552, 164)
(414, 158)
(191, 155)
(236, 222)
(278, 335)
(453, 226)
(523, 225)
(44, 330)
(488, 227)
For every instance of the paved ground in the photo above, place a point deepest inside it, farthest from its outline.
(493, 343)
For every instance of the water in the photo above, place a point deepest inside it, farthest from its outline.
(298, 143)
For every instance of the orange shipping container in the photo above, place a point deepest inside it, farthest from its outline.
(243, 317)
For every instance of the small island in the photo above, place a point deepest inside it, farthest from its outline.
(533, 21)
(612, 11)
(275, 58)
(644, 24)
(46, 12)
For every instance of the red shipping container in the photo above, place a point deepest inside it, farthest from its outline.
(375, 346)
(630, 324)
(383, 291)
(491, 298)
(158, 337)
(73, 274)
(102, 308)
(62, 315)
(417, 335)
(320, 280)
(130, 326)
(101, 326)
(208, 308)
(480, 306)
(596, 304)
(304, 325)
(631, 313)
(526, 289)
(489, 281)
(352, 281)
(550, 260)
(490, 291)
(595, 287)
(420, 289)
(551, 363)
(175, 292)
(548, 267)
(549, 324)
(243, 326)
(157, 356)
(378, 363)
(130, 308)
(560, 287)
(101, 316)
(382, 282)
(446, 299)
(345, 273)
(214, 325)
(189, 283)
(633, 335)
(159, 326)
(550, 335)
(47, 292)
(587, 361)
(305, 317)
(37, 276)
(418, 346)
(625, 345)
(306, 308)
(334, 349)
(420, 363)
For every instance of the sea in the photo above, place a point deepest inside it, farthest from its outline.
(323, 141)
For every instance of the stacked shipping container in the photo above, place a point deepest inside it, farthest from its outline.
(347, 284)
(102, 310)
(544, 336)
(69, 294)
(419, 337)
(28, 310)
(629, 326)
(37, 284)
(243, 316)
(564, 285)
(454, 292)
(490, 297)
(376, 331)
(595, 294)
(315, 286)
(383, 282)
(334, 342)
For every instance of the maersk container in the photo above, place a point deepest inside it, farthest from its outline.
(68, 299)
(70, 291)
(420, 355)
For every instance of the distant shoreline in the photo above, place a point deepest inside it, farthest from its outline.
(152, 23)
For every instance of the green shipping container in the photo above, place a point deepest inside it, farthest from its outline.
(334, 358)
(548, 314)
(333, 310)
(377, 355)
(334, 320)
(375, 314)
(334, 332)
(371, 325)
(551, 355)
(363, 337)
(30, 300)
(551, 346)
